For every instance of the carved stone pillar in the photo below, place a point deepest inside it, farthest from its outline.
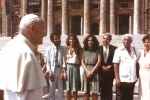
(50, 17)
(112, 17)
(86, 17)
(81, 25)
(43, 13)
(102, 17)
(6, 25)
(136, 17)
(24, 7)
(130, 24)
(64, 17)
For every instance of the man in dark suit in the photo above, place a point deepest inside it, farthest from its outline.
(107, 68)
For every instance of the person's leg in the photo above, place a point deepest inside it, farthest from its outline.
(75, 95)
(119, 92)
(52, 87)
(68, 95)
(130, 89)
(94, 96)
(60, 88)
(87, 96)
(1, 94)
(109, 89)
(103, 89)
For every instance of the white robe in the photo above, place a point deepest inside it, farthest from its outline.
(20, 72)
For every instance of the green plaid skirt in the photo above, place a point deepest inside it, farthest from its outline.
(73, 82)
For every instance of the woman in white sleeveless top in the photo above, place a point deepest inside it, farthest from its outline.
(144, 62)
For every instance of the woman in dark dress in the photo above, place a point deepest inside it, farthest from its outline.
(91, 60)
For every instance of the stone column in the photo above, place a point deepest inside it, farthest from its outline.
(50, 17)
(6, 25)
(70, 23)
(64, 17)
(24, 7)
(117, 25)
(136, 24)
(43, 13)
(112, 17)
(130, 24)
(87, 17)
(102, 27)
(81, 26)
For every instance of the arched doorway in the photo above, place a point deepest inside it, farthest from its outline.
(76, 25)
(123, 24)
(58, 28)
(95, 29)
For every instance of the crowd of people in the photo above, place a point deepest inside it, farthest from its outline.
(26, 75)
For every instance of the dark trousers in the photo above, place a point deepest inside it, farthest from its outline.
(106, 88)
(1, 94)
(125, 91)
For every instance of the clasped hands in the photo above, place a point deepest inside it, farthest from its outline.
(89, 73)
(106, 68)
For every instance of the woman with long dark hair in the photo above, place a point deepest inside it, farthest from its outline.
(72, 61)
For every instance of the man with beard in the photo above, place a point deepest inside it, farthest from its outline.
(107, 67)
(125, 63)
(54, 61)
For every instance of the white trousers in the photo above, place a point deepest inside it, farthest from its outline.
(144, 86)
(56, 84)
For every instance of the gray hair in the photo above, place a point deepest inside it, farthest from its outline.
(109, 35)
(127, 35)
(27, 20)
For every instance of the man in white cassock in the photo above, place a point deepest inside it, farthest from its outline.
(21, 76)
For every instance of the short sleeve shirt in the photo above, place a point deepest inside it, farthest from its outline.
(127, 63)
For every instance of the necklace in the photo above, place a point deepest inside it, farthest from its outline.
(71, 50)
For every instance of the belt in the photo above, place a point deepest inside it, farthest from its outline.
(90, 64)
(57, 66)
(72, 64)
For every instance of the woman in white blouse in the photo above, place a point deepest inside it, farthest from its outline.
(72, 63)
(144, 62)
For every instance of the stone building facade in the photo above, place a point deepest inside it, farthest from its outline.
(80, 17)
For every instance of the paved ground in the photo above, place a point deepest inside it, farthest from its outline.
(81, 97)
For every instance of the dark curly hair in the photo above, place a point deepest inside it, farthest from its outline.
(146, 37)
(77, 45)
(95, 43)
(52, 36)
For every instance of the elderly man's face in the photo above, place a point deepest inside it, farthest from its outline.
(39, 33)
(127, 41)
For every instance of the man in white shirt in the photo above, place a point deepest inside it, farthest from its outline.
(125, 65)
(54, 61)
(20, 73)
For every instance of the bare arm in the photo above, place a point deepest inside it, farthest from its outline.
(116, 70)
(84, 66)
(97, 64)
(42, 63)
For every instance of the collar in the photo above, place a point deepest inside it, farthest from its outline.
(21, 37)
(148, 51)
(55, 46)
(123, 48)
(106, 46)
